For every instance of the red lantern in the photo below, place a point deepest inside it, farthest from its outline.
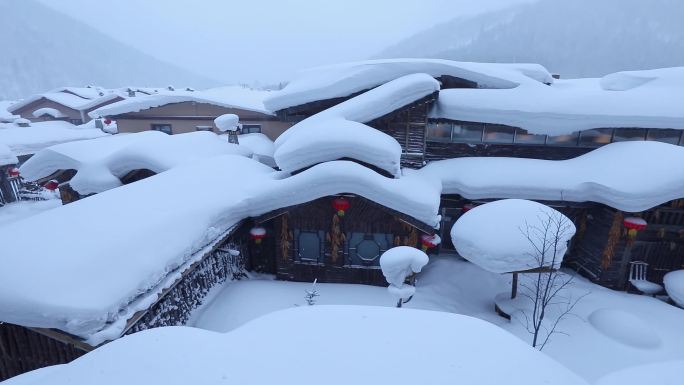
(51, 185)
(13, 172)
(429, 241)
(634, 225)
(341, 205)
(257, 234)
(107, 121)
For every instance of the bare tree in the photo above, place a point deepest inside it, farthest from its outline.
(544, 286)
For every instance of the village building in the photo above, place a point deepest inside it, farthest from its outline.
(190, 111)
(9, 176)
(356, 176)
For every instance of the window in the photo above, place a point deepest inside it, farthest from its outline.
(563, 140)
(521, 136)
(309, 246)
(665, 136)
(165, 128)
(76, 122)
(627, 134)
(596, 137)
(498, 134)
(250, 128)
(467, 133)
(439, 132)
(366, 249)
(204, 128)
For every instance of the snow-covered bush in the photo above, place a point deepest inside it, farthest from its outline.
(398, 264)
(227, 122)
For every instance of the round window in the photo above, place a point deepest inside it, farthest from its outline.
(368, 251)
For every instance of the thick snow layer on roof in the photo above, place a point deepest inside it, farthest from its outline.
(259, 143)
(4, 114)
(628, 176)
(120, 246)
(229, 97)
(55, 113)
(7, 156)
(100, 163)
(656, 373)
(494, 236)
(342, 80)
(339, 132)
(29, 140)
(647, 99)
(154, 356)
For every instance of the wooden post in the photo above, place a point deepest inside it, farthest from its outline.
(514, 288)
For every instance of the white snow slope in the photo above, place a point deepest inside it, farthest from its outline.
(115, 248)
(429, 347)
(628, 176)
(646, 99)
(29, 140)
(339, 132)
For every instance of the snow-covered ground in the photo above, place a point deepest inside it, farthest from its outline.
(12, 212)
(624, 330)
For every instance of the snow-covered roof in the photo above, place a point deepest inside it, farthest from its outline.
(6, 116)
(646, 99)
(345, 79)
(100, 163)
(507, 236)
(122, 244)
(53, 112)
(29, 140)
(229, 97)
(484, 353)
(261, 145)
(7, 156)
(629, 176)
(340, 132)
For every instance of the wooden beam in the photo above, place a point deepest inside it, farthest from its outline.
(64, 337)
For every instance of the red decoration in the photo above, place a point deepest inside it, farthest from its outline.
(51, 185)
(341, 205)
(257, 234)
(634, 225)
(13, 172)
(429, 241)
(467, 207)
(107, 121)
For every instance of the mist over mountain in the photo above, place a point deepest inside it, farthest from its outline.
(577, 38)
(42, 49)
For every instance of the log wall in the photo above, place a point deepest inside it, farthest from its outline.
(448, 150)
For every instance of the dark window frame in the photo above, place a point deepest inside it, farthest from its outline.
(162, 127)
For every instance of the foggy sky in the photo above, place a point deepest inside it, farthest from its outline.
(266, 40)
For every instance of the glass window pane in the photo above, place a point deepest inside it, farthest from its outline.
(521, 136)
(596, 137)
(439, 132)
(626, 134)
(468, 133)
(665, 136)
(309, 246)
(563, 140)
(498, 134)
(368, 251)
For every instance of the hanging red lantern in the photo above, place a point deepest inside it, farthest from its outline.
(429, 241)
(634, 225)
(51, 185)
(107, 121)
(341, 205)
(13, 172)
(257, 234)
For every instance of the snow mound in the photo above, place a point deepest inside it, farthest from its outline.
(492, 235)
(227, 122)
(101, 163)
(7, 156)
(399, 262)
(345, 79)
(53, 112)
(29, 140)
(659, 373)
(625, 328)
(645, 99)
(606, 175)
(339, 132)
(674, 285)
(154, 356)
